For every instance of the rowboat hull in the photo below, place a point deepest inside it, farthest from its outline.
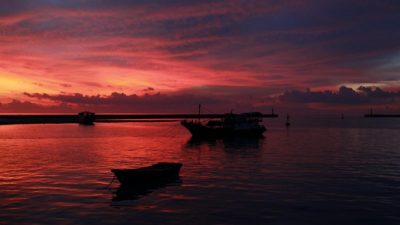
(147, 176)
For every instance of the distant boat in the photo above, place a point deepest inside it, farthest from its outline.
(86, 118)
(144, 176)
(244, 124)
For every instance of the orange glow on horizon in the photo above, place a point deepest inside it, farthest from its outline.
(11, 84)
(225, 52)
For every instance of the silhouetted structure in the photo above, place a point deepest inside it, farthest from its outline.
(372, 115)
(86, 118)
(382, 115)
(72, 118)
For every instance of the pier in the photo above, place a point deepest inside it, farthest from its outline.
(73, 118)
(382, 115)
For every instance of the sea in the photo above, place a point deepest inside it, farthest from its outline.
(320, 170)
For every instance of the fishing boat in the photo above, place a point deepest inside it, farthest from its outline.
(144, 176)
(244, 124)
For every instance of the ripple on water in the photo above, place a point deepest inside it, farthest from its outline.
(58, 174)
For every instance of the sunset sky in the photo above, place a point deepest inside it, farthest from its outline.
(169, 56)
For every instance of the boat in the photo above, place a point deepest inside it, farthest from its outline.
(86, 118)
(147, 176)
(244, 124)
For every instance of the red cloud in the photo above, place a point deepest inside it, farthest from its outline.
(100, 47)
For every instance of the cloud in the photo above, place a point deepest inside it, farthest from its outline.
(16, 106)
(344, 95)
(148, 89)
(239, 99)
(376, 92)
(121, 102)
(224, 47)
(66, 85)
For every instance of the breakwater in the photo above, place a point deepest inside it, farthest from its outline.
(382, 115)
(71, 118)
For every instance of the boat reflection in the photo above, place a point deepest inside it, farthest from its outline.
(133, 192)
(228, 144)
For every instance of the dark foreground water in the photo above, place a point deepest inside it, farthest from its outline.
(316, 172)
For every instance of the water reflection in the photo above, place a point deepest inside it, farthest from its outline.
(133, 192)
(57, 174)
(234, 144)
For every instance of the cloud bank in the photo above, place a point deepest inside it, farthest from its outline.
(99, 47)
(344, 95)
(344, 99)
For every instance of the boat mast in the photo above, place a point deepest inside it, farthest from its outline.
(287, 124)
(199, 111)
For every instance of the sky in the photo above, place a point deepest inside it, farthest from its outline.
(169, 56)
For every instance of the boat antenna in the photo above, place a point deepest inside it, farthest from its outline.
(287, 124)
(199, 111)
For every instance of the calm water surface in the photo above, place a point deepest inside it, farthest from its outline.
(331, 172)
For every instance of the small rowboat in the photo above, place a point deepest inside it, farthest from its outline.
(145, 176)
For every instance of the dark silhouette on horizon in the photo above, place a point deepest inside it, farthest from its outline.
(380, 115)
(86, 118)
(106, 118)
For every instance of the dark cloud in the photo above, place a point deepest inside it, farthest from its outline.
(344, 95)
(16, 106)
(66, 85)
(230, 48)
(92, 84)
(184, 102)
(376, 92)
(120, 102)
(148, 89)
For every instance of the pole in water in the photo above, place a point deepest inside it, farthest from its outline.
(199, 111)
(109, 185)
(287, 124)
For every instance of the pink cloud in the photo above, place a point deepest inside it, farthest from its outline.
(102, 47)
